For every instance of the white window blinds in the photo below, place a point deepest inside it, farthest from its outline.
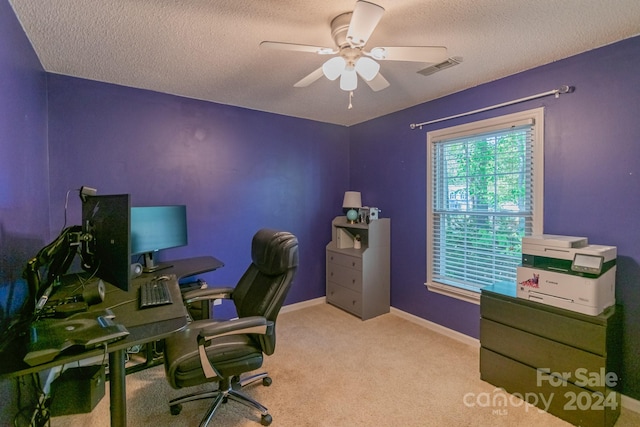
(482, 200)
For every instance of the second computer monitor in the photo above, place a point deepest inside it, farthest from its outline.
(154, 228)
(106, 251)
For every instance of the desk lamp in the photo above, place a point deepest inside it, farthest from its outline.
(352, 201)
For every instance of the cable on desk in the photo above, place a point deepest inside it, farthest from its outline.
(104, 354)
(83, 281)
(122, 303)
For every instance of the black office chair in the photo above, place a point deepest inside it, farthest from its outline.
(220, 351)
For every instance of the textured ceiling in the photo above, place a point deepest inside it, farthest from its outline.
(209, 49)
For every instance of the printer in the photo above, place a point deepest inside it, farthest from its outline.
(567, 272)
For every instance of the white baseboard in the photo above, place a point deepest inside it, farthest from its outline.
(303, 304)
(465, 339)
(630, 403)
(627, 402)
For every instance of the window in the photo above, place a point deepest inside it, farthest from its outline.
(484, 193)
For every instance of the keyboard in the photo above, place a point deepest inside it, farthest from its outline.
(154, 293)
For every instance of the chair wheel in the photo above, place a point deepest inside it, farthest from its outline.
(266, 420)
(266, 381)
(175, 409)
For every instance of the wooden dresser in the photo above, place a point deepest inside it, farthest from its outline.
(528, 348)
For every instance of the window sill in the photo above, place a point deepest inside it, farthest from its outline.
(468, 295)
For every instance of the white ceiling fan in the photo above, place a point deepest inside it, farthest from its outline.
(350, 32)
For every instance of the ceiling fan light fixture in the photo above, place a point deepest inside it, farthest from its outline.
(378, 53)
(334, 67)
(367, 68)
(349, 79)
(350, 32)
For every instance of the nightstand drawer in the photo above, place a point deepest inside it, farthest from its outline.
(344, 298)
(347, 277)
(344, 260)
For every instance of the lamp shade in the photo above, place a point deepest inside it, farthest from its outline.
(352, 199)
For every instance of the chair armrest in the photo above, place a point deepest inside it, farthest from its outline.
(245, 325)
(207, 294)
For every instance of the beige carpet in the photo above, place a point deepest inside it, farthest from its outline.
(332, 369)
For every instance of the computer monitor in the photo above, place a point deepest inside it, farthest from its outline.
(107, 249)
(154, 228)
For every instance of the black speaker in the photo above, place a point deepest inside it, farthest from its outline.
(93, 293)
(77, 390)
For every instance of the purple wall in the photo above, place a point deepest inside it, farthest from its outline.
(237, 170)
(592, 176)
(24, 185)
(24, 182)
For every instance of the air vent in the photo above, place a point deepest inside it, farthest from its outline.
(441, 66)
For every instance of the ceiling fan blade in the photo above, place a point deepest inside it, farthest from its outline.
(298, 47)
(306, 81)
(378, 83)
(364, 20)
(410, 53)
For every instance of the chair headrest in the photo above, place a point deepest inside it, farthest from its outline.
(274, 251)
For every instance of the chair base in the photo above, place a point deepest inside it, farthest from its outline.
(227, 388)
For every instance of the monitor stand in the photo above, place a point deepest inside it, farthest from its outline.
(150, 265)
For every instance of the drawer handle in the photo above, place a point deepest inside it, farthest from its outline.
(353, 281)
(354, 302)
(353, 264)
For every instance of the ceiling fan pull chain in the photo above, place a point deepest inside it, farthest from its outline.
(350, 96)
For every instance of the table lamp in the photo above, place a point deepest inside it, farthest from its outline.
(352, 201)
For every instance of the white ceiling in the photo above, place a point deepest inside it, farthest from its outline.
(209, 49)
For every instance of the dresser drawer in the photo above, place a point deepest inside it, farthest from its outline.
(576, 405)
(344, 276)
(532, 350)
(344, 260)
(546, 322)
(344, 298)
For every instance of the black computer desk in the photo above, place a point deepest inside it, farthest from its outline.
(144, 326)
